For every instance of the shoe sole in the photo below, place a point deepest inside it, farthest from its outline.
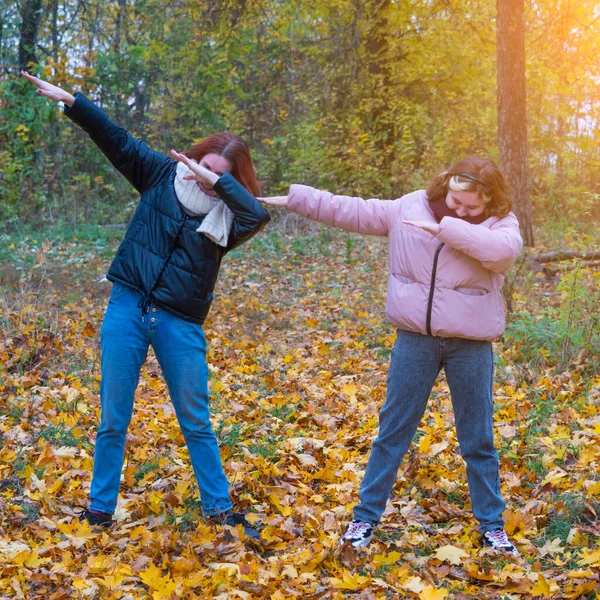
(502, 552)
(359, 543)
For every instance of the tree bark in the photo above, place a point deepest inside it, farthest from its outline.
(379, 70)
(512, 111)
(31, 14)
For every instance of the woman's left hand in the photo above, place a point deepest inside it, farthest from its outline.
(201, 174)
(432, 228)
(275, 200)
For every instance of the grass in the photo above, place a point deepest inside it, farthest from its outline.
(229, 435)
(60, 435)
(267, 448)
(20, 461)
(569, 511)
(284, 413)
(149, 466)
(190, 517)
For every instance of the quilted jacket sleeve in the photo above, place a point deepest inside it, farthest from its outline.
(141, 166)
(249, 217)
(371, 217)
(496, 248)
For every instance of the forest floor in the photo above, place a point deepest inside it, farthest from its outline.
(298, 353)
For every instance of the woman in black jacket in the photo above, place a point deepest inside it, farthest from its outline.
(191, 212)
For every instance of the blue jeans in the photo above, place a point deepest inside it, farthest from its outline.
(180, 347)
(416, 362)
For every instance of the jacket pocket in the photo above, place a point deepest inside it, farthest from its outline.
(469, 291)
(403, 278)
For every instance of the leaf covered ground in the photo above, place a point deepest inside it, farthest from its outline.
(299, 348)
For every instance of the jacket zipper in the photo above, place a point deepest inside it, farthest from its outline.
(146, 299)
(185, 218)
(432, 286)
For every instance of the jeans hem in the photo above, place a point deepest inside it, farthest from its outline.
(103, 509)
(371, 522)
(216, 510)
(483, 529)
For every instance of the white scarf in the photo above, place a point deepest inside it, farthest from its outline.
(217, 223)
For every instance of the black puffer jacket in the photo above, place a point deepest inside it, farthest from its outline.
(162, 255)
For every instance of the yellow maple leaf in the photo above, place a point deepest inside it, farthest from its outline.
(349, 389)
(112, 582)
(424, 443)
(323, 349)
(155, 502)
(78, 532)
(88, 587)
(350, 581)
(290, 571)
(541, 588)
(554, 476)
(231, 569)
(589, 558)
(551, 547)
(387, 559)
(452, 554)
(162, 587)
(286, 511)
(80, 584)
(432, 593)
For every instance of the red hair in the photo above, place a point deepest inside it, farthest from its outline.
(235, 150)
(479, 175)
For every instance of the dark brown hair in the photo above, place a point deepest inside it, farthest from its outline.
(474, 174)
(235, 150)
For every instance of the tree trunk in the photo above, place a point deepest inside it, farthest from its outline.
(379, 70)
(31, 13)
(512, 112)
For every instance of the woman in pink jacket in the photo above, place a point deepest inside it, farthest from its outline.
(449, 249)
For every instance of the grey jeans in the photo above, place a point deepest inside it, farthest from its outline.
(415, 364)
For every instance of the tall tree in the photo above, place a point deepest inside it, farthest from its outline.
(31, 14)
(512, 107)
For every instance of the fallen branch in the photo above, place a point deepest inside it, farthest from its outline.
(557, 255)
(535, 262)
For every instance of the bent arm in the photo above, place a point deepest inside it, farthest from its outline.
(370, 217)
(249, 217)
(496, 248)
(141, 166)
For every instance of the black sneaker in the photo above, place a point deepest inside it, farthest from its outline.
(94, 517)
(359, 534)
(498, 541)
(232, 519)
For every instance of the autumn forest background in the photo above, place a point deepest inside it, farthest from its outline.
(364, 97)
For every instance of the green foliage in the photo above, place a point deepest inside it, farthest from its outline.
(60, 435)
(150, 466)
(366, 98)
(570, 510)
(565, 332)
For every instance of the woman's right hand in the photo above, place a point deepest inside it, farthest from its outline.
(276, 201)
(52, 92)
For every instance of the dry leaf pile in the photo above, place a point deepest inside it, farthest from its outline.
(299, 348)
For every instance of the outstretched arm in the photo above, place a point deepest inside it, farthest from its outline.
(370, 217)
(281, 201)
(140, 165)
(52, 92)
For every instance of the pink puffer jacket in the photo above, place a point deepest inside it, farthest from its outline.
(447, 285)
